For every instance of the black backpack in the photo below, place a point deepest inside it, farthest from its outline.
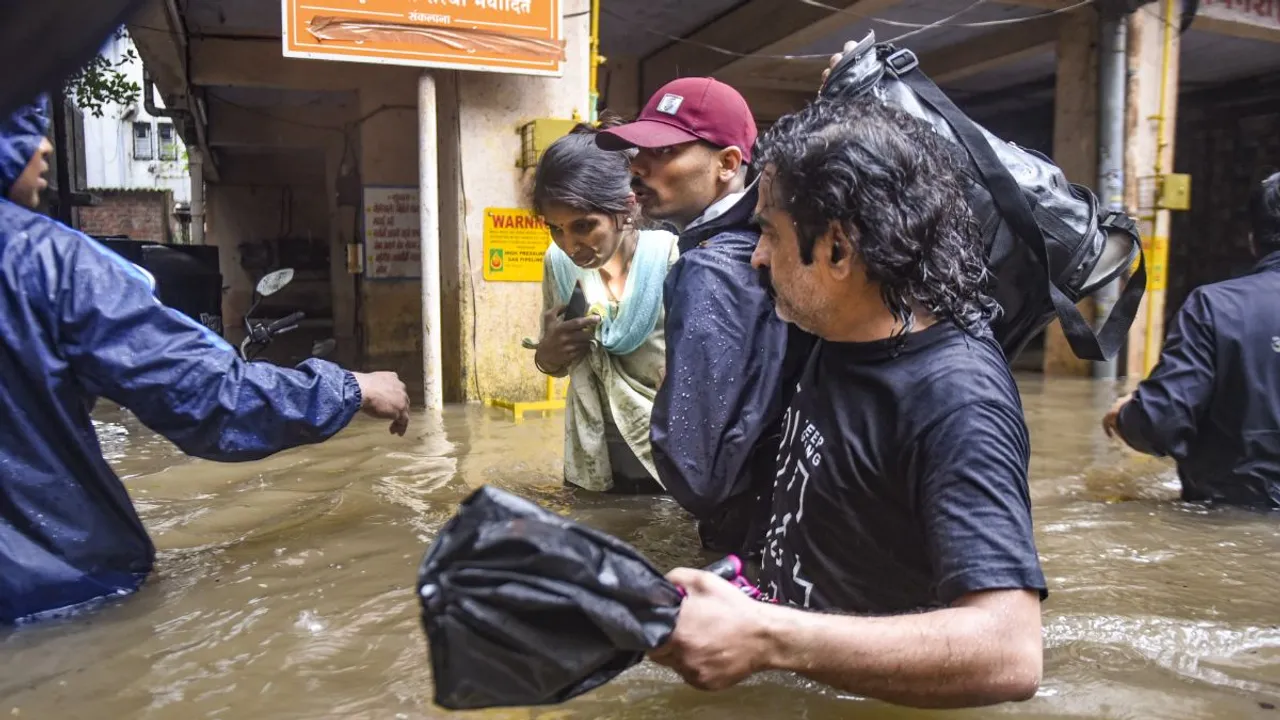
(1047, 245)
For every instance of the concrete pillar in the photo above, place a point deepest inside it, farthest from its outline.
(1142, 144)
(478, 143)
(391, 309)
(1075, 148)
(1113, 82)
(195, 160)
(455, 280)
(490, 109)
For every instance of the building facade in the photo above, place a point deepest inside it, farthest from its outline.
(128, 148)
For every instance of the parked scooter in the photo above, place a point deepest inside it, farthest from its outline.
(259, 335)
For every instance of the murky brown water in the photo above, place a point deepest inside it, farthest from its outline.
(284, 588)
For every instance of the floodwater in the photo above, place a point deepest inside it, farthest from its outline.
(285, 588)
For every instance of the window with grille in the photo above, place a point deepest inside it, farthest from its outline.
(168, 142)
(143, 147)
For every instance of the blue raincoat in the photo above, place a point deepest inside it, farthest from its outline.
(78, 322)
(732, 366)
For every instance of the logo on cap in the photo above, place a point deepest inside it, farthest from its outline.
(670, 104)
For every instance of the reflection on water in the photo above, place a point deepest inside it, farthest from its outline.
(284, 588)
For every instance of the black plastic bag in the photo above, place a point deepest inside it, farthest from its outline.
(523, 607)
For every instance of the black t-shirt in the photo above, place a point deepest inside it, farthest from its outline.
(902, 478)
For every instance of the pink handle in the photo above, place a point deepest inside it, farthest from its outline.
(730, 568)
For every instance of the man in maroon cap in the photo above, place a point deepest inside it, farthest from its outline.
(731, 362)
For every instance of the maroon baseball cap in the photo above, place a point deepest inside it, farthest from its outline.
(684, 110)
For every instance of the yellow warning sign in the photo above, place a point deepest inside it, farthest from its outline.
(515, 241)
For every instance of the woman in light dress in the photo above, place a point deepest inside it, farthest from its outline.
(614, 356)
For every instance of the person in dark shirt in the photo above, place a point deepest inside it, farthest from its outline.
(901, 486)
(1212, 402)
(731, 362)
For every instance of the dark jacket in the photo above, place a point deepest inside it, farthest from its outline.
(731, 368)
(1212, 402)
(77, 322)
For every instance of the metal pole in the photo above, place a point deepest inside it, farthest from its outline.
(1112, 77)
(195, 168)
(1158, 260)
(428, 188)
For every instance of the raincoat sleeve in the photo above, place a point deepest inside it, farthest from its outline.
(725, 352)
(181, 379)
(1166, 410)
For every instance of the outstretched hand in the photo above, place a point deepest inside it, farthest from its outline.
(384, 396)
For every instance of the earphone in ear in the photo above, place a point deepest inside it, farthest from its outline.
(838, 240)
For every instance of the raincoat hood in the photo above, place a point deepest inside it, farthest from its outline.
(20, 136)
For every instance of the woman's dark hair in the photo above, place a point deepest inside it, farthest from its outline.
(894, 185)
(1264, 215)
(576, 173)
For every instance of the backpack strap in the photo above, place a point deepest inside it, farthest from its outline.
(1012, 203)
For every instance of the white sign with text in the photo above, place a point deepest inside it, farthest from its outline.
(392, 233)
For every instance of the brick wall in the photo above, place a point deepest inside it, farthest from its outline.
(142, 214)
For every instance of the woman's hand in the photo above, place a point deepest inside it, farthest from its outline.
(564, 342)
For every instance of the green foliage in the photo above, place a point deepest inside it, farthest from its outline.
(101, 83)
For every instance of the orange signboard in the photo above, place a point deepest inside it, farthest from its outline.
(508, 36)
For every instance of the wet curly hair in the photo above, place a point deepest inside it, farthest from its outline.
(896, 187)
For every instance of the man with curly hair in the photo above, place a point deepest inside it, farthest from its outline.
(901, 484)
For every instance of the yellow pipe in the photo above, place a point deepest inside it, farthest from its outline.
(596, 60)
(1159, 259)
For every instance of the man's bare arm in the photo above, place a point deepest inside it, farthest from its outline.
(985, 649)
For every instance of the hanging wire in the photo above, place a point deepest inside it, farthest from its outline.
(713, 48)
(918, 27)
(945, 22)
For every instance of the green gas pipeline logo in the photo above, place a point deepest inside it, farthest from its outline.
(496, 261)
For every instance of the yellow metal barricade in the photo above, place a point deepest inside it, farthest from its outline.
(519, 408)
